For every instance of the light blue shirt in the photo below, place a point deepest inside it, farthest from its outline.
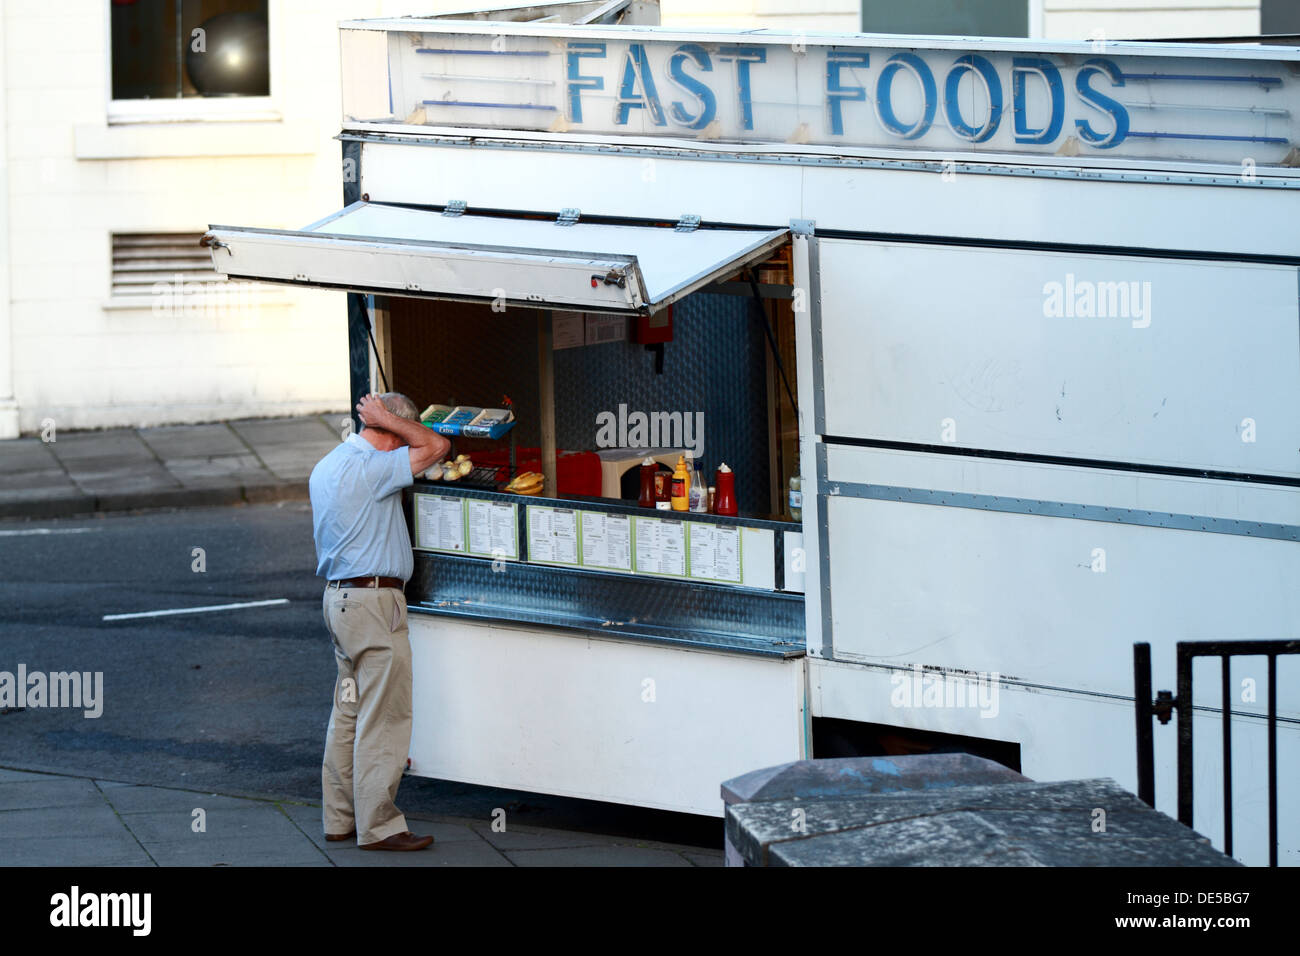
(356, 509)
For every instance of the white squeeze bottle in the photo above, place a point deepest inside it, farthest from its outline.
(698, 495)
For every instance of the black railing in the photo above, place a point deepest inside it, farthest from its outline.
(1165, 704)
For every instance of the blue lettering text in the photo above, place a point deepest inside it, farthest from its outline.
(1102, 102)
(677, 73)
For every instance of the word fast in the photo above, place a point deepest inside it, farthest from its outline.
(690, 77)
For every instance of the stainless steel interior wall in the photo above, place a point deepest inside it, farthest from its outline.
(461, 353)
(715, 364)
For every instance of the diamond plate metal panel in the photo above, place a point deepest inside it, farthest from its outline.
(715, 364)
(653, 609)
(461, 353)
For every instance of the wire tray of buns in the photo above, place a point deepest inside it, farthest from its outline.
(463, 472)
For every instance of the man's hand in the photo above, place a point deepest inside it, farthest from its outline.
(372, 411)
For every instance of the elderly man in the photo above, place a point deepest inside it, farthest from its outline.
(364, 552)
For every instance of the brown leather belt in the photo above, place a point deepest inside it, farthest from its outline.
(373, 581)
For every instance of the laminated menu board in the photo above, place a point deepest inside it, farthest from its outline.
(440, 523)
(493, 528)
(660, 546)
(715, 552)
(606, 541)
(758, 545)
(553, 535)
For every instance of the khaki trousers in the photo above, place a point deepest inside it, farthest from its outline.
(369, 732)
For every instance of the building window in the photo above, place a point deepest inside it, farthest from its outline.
(177, 49)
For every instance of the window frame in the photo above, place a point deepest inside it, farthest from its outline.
(197, 108)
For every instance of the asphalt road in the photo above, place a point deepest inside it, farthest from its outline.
(235, 701)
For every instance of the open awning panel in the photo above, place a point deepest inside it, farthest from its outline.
(371, 247)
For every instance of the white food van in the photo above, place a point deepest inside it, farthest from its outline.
(1043, 304)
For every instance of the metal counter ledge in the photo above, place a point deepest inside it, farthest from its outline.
(663, 610)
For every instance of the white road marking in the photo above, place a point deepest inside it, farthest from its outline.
(25, 531)
(195, 610)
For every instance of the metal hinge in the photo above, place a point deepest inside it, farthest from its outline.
(455, 207)
(209, 240)
(1163, 706)
(688, 223)
(568, 216)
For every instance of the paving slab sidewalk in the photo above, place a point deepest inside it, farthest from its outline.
(172, 466)
(57, 820)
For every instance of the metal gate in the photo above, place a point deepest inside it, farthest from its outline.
(1165, 704)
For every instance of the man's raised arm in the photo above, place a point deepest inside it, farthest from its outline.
(426, 445)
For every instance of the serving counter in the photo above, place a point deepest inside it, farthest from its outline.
(723, 583)
(593, 648)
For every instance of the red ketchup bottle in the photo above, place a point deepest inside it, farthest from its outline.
(648, 469)
(725, 502)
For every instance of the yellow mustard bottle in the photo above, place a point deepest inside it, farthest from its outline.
(681, 486)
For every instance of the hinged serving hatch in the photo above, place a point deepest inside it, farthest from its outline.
(531, 259)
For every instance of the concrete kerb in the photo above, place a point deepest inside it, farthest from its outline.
(79, 503)
(34, 496)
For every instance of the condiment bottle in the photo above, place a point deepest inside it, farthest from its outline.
(681, 484)
(725, 502)
(713, 493)
(648, 468)
(697, 493)
(662, 481)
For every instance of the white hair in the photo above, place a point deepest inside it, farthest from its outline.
(400, 405)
